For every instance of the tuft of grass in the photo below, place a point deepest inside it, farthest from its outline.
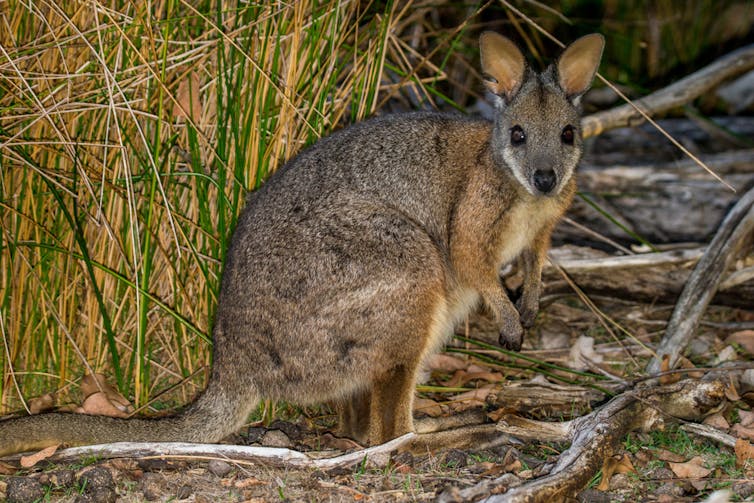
(129, 137)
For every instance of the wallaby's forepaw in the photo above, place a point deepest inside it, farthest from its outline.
(527, 312)
(511, 335)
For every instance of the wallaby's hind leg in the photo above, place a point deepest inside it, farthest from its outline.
(353, 416)
(391, 408)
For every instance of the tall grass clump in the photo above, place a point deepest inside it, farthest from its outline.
(130, 133)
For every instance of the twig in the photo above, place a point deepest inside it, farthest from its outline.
(704, 430)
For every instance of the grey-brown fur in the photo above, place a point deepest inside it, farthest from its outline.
(354, 261)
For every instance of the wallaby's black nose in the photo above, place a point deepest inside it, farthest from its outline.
(544, 180)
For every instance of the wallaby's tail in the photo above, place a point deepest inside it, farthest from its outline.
(210, 418)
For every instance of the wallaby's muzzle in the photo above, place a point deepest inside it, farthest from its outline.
(544, 180)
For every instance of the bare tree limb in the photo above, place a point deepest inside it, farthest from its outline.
(645, 277)
(599, 434)
(680, 93)
(272, 456)
(705, 279)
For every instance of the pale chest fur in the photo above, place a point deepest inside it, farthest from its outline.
(524, 221)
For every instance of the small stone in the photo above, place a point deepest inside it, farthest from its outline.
(727, 354)
(670, 489)
(620, 481)
(747, 380)
(101, 495)
(275, 438)
(184, 492)
(319, 475)
(94, 477)
(58, 479)
(593, 496)
(661, 473)
(154, 465)
(151, 486)
(743, 490)
(292, 430)
(699, 346)
(219, 468)
(254, 434)
(24, 490)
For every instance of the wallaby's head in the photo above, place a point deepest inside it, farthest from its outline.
(537, 125)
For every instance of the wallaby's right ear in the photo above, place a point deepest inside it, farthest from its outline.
(503, 65)
(578, 64)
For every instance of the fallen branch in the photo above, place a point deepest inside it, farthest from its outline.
(598, 435)
(677, 94)
(705, 279)
(274, 456)
(706, 431)
(664, 202)
(541, 397)
(646, 277)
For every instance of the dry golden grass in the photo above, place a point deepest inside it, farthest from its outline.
(128, 138)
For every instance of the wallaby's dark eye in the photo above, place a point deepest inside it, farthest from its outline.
(518, 137)
(566, 136)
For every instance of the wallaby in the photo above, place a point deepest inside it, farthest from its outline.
(355, 260)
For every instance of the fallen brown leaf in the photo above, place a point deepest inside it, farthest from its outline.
(699, 485)
(691, 469)
(471, 398)
(403, 468)
(189, 98)
(41, 403)
(744, 338)
(514, 466)
(742, 431)
(462, 377)
(665, 455)
(495, 469)
(99, 404)
(685, 363)
(744, 452)
(6, 469)
(428, 407)
(664, 367)
(612, 465)
(717, 420)
(746, 417)
(330, 441)
(91, 384)
(498, 414)
(446, 363)
(33, 459)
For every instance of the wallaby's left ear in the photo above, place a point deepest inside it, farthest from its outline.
(578, 64)
(503, 65)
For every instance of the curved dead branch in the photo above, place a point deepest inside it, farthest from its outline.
(705, 279)
(680, 93)
(598, 435)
